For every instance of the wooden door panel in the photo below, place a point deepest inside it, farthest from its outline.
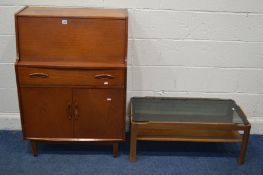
(45, 112)
(100, 113)
(95, 40)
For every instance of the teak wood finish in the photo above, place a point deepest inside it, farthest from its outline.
(71, 74)
(43, 76)
(188, 132)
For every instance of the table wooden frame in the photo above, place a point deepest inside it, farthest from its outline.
(189, 131)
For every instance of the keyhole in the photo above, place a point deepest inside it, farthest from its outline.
(64, 21)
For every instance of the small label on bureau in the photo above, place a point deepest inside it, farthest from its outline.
(64, 21)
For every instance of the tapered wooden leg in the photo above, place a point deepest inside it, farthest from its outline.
(244, 145)
(34, 148)
(115, 147)
(133, 143)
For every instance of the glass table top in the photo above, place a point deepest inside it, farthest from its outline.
(156, 109)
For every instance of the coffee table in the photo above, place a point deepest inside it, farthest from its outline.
(188, 119)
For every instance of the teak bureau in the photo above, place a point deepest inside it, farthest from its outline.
(71, 74)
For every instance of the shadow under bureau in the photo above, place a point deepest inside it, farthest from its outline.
(71, 74)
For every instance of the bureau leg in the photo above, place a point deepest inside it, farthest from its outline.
(115, 147)
(133, 143)
(244, 144)
(34, 148)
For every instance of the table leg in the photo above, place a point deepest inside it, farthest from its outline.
(133, 143)
(115, 147)
(244, 145)
(34, 148)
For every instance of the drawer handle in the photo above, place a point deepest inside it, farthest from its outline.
(104, 76)
(38, 75)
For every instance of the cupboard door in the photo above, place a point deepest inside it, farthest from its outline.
(99, 113)
(46, 112)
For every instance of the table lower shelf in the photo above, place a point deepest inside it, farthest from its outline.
(192, 136)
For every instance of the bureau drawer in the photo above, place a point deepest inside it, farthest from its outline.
(47, 76)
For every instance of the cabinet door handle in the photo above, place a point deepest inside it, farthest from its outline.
(69, 111)
(104, 76)
(38, 75)
(76, 111)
